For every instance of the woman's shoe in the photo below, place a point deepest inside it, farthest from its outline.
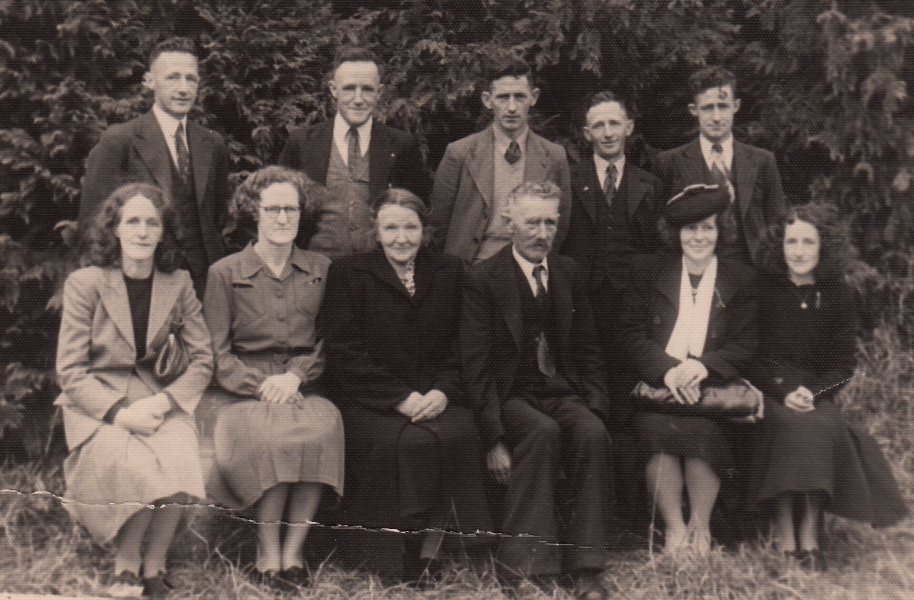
(125, 585)
(812, 560)
(157, 587)
(296, 577)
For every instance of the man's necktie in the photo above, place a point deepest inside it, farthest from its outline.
(355, 151)
(720, 171)
(512, 154)
(609, 185)
(543, 354)
(183, 154)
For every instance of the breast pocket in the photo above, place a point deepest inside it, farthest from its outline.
(309, 293)
(249, 302)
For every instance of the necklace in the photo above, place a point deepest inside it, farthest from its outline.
(804, 299)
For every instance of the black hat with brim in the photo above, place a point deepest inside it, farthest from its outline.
(696, 203)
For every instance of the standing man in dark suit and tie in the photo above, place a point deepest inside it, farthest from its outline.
(478, 172)
(355, 157)
(165, 148)
(532, 368)
(614, 217)
(750, 173)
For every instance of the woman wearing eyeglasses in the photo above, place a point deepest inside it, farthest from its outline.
(277, 442)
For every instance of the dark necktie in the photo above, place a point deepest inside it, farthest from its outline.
(718, 166)
(183, 154)
(609, 185)
(512, 154)
(355, 151)
(543, 354)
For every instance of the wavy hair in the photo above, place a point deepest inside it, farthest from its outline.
(103, 248)
(245, 205)
(727, 232)
(836, 250)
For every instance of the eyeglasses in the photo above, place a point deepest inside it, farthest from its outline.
(273, 211)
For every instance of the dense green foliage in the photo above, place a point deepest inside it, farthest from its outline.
(823, 85)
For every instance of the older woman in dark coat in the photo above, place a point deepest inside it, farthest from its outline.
(390, 318)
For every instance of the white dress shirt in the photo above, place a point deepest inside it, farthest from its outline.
(341, 136)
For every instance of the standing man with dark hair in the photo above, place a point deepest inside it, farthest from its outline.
(355, 157)
(535, 380)
(613, 218)
(477, 173)
(165, 148)
(750, 173)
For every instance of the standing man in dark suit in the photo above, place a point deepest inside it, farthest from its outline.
(750, 173)
(478, 172)
(534, 376)
(614, 217)
(165, 148)
(355, 157)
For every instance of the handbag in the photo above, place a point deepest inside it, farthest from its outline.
(738, 401)
(172, 360)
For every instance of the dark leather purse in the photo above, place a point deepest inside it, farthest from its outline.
(738, 400)
(172, 360)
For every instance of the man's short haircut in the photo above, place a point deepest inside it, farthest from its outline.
(346, 54)
(604, 97)
(543, 190)
(710, 78)
(175, 44)
(509, 65)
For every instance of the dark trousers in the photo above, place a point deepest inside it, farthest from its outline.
(547, 437)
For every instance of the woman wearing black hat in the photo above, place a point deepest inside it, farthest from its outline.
(688, 326)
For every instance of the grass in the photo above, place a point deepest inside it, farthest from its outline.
(43, 552)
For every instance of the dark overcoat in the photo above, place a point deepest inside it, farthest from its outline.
(381, 346)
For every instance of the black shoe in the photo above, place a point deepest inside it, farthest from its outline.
(812, 560)
(157, 586)
(272, 579)
(295, 577)
(125, 585)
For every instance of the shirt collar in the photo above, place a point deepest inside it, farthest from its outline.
(526, 266)
(341, 129)
(251, 263)
(502, 140)
(167, 123)
(602, 163)
(726, 145)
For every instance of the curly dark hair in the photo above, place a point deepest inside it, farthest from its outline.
(836, 250)
(245, 205)
(406, 199)
(727, 232)
(710, 78)
(175, 44)
(103, 249)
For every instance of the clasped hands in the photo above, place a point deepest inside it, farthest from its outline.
(800, 400)
(684, 381)
(422, 407)
(144, 416)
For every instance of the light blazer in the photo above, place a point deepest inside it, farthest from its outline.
(136, 152)
(758, 184)
(96, 352)
(394, 158)
(461, 199)
(491, 336)
(586, 243)
(651, 306)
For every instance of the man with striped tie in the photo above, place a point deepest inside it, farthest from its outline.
(751, 173)
(163, 147)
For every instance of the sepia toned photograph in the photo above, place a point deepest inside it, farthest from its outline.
(483, 299)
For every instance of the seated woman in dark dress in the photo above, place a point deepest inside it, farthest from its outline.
(413, 456)
(807, 459)
(688, 324)
(277, 443)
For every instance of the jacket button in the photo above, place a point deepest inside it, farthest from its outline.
(475, 240)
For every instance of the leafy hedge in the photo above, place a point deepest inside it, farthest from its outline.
(823, 84)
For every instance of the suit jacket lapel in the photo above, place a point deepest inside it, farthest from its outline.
(560, 290)
(380, 159)
(746, 170)
(587, 188)
(317, 152)
(426, 271)
(149, 142)
(669, 279)
(164, 296)
(378, 266)
(631, 189)
(724, 289)
(536, 165)
(201, 154)
(481, 164)
(504, 287)
(693, 163)
(114, 298)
